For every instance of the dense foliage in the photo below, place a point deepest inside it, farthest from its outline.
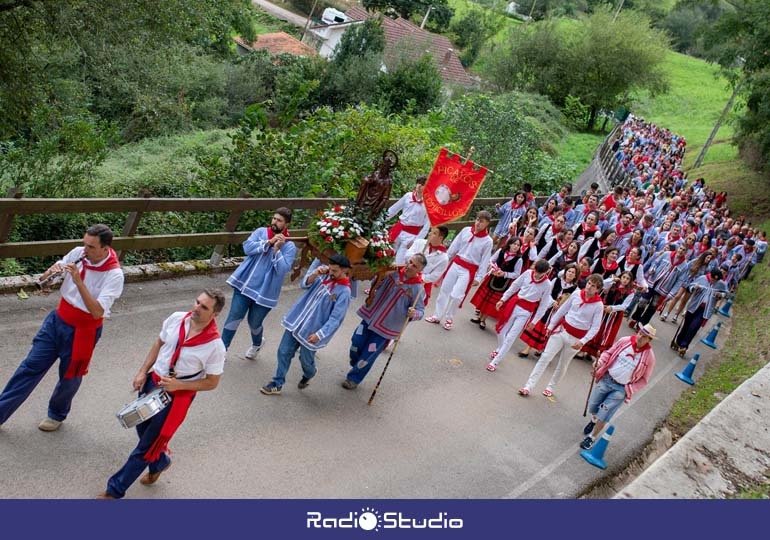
(740, 41)
(598, 59)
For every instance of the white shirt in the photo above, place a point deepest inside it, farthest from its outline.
(474, 250)
(531, 292)
(413, 213)
(588, 315)
(105, 287)
(437, 261)
(208, 358)
(622, 369)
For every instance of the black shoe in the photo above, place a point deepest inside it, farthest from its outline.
(271, 389)
(303, 383)
(475, 320)
(523, 355)
(349, 385)
(538, 354)
(587, 443)
(589, 427)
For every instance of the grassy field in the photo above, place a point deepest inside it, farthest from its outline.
(697, 97)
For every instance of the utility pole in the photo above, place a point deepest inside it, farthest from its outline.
(307, 24)
(532, 9)
(720, 120)
(425, 19)
(620, 6)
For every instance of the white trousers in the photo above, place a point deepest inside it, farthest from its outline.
(452, 291)
(511, 332)
(558, 344)
(403, 240)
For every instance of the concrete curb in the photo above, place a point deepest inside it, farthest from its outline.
(724, 452)
(141, 272)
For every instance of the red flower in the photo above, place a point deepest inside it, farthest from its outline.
(335, 222)
(338, 208)
(329, 239)
(345, 234)
(380, 254)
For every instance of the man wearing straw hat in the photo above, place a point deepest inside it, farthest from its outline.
(394, 299)
(620, 372)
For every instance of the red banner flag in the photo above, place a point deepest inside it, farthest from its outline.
(451, 187)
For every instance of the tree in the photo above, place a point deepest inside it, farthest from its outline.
(739, 41)
(439, 17)
(413, 85)
(472, 31)
(598, 60)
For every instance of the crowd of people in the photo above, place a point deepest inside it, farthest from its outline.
(561, 278)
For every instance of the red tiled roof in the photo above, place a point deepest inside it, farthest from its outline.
(405, 38)
(277, 43)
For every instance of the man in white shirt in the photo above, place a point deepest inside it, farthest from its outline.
(469, 254)
(187, 357)
(531, 292)
(413, 223)
(575, 323)
(93, 280)
(621, 371)
(435, 254)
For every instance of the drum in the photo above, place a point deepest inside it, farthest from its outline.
(143, 408)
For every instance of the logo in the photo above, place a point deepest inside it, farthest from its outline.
(370, 519)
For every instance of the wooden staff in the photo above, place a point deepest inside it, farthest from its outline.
(590, 389)
(393, 350)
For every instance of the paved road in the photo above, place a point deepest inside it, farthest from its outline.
(279, 12)
(440, 427)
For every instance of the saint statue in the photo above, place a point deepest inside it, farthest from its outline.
(374, 192)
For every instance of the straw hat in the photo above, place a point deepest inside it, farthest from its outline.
(648, 330)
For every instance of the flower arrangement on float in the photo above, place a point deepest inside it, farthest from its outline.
(346, 229)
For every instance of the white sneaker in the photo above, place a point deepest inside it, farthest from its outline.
(663, 316)
(251, 354)
(49, 424)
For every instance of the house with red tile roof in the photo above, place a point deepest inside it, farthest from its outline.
(403, 39)
(275, 43)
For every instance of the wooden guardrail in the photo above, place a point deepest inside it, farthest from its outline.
(14, 205)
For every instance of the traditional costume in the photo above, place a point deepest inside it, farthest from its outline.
(413, 224)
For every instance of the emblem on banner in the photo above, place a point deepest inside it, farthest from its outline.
(451, 187)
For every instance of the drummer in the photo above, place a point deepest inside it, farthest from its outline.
(187, 357)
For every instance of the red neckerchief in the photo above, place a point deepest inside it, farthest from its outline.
(525, 247)
(474, 234)
(632, 262)
(110, 264)
(270, 233)
(515, 206)
(585, 274)
(415, 199)
(536, 281)
(674, 260)
(210, 333)
(440, 247)
(587, 229)
(410, 281)
(562, 247)
(621, 231)
(507, 255)
(587, 210)
(709, 279)
(673, 238)
(636, 349)
(555, 230)
(344, 280)
(182, 398)
(608, 266)
(584, 300)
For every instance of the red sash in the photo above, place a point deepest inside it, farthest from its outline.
(182, 399)
(399, 227)
(84, 340)
(509, 306)
(571, 330)
(471, 268)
